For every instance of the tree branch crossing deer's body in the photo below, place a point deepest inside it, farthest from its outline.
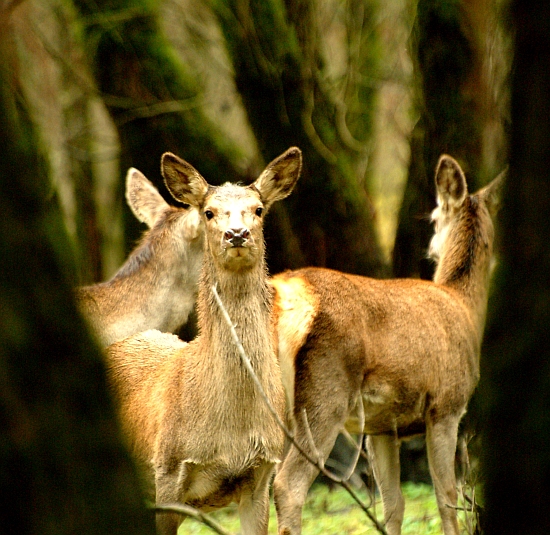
(156, 288)
(191, 410)
(408, 348)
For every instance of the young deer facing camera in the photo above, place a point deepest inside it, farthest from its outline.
(408, 349)
(191, 410)
(156, 287)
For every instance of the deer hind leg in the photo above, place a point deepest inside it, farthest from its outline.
(384, 454)
(254, 502)
(441, 439)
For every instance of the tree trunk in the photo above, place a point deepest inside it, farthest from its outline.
(516, 374)
(281, 76)
(150, 95)
(456, 106)
(64, 469)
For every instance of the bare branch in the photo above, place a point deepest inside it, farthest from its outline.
(316, 462)
(360, 440)
(309, 128)
(191, 512)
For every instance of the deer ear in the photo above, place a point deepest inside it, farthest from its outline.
(192, 224)
(279, 178)
(450, 183)
(143, 198)
(183, 181)
(491, 194)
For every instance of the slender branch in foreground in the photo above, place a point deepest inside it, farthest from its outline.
(316, 462)
(361, 439)
(191, 512)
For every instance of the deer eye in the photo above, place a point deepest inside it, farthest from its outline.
(259, 211)
(209, 214)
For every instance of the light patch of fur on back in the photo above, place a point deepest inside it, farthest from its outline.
(300, 305)
(168, 340)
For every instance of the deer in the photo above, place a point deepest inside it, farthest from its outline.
(191, 412)
(402, 353)
(156, 287)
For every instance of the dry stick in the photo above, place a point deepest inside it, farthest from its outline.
(360, 441)
(187, 510)
(317, 463)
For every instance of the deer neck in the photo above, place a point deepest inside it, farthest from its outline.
(156, 257)
(465, 265)
(247, 298)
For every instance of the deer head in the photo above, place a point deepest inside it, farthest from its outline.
(233, 215)
(148, 205)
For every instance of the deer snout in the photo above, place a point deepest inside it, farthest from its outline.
(236, 237)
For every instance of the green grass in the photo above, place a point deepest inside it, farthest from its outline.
(335, 513)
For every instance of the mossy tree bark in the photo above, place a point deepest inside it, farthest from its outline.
(151, 96)
(453, 102)
(280, 73)
(64, 468)
(515, 379)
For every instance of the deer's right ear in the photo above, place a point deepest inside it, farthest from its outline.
(450, 183)
(143, 198)
(183, 181)
(492, 193)
(279, 178)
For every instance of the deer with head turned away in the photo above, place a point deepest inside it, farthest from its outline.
(191, 412)
(407, 350)
(156, 287)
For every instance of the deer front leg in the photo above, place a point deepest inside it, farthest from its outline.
(384, 455)
(295, 476)
(441, 438)
(168, 485)
(290, 489)
(254, 502)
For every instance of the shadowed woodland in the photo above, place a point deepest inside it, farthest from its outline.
(372, 92)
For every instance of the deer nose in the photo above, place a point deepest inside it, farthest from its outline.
(236, 237)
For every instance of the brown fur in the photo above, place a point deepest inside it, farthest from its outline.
(191, 411)
(410, 348)
(157, 285)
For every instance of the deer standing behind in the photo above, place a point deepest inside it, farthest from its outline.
(156, 287)
(191, 411)
(408, 349)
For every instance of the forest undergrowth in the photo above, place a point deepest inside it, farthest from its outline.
(332, 511)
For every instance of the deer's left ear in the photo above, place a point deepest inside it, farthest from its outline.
(143, 198)
(279, 178)
(183, 181)
(450, 183)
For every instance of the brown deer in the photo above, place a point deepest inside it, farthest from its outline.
(156, 287)
(192, 413)
(407, 349)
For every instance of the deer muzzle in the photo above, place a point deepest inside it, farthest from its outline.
(236, 237)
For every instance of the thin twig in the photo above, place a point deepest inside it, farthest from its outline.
(360, 440)
(317, 463)
(191, 512)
